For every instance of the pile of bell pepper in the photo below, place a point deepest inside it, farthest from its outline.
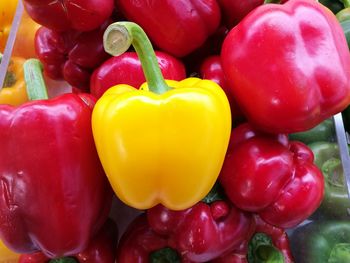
(210, 120)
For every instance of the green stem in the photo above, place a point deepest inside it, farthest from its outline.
(346, 3)
(35, 83)
(117, 39)
(272, 1)
(64, 260)
(164, 255)
(261, 250)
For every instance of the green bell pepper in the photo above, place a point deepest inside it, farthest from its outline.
(335, 204)
(323, 132)
(322, 242)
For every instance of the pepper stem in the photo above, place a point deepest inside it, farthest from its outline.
(35, 83)
(164, 255)
(64, 260)
(272, 1)
(117, 39)
(346, 3)
(261, 249)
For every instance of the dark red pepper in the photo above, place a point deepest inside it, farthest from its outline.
(54, 193)
(177, 27)
(251, 251)
(102, 248)
(235, 10)
(126, 69)
(198, 234)
(271, 176)
(71, 55)
(65, 15)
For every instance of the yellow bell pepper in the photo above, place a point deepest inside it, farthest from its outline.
(6, 255)
(166, 142)
(7, 12)
(14, 88)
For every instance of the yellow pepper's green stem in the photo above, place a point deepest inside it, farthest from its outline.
(35, 83)
(117, 39)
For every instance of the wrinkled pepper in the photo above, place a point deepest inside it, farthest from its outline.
(127, 69)
(271, 176)
(176, 27)
(267, 244)
(322, 242)
(324, 131)
(197, 234)
(166, 142)
(56, 198)
(72, 55)
(288, 66)
(336, 203)
(102, 249)
(14, 89)
(68, 15)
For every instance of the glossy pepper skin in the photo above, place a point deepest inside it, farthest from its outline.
(127, 69)
(299, 72)
(267, 244)
(102, 249)
(71, 55)
(81, 15)
(271, 176)
(14, 89)
(198, 234)
(160, 144)
(211, 68)
(335, 204)
(322, 241)
(176, 27)
(58, 198)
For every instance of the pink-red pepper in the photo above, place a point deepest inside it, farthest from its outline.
(127, 69)
(54, 193)
(235, 10)
(288, 66)
(102, 249)
(271, 176)
(198, 234)
(66, 15)
(71, 55)
(177, 27)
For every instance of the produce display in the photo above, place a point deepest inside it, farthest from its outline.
(174, 131)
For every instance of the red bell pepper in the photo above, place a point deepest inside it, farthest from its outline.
(177, 27)
(211, 68)
(288, 66)
(72, 55)
(267, 241)
(54, 194)
(126, 69)
(198, 234)
(65, 15)
(235, 10)
(271, 176)
(102, 249)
